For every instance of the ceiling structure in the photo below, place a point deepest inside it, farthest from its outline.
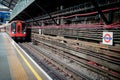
(41, 7)
(45, 4)
(9, 3)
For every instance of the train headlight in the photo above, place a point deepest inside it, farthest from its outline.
(12, 32)
(24, 32)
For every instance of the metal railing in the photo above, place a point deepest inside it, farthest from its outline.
(73, 9)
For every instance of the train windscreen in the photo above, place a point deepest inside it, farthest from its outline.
(23, 27)
(13, 27)
(18, 29)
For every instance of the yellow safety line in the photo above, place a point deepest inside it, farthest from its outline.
(28, 64)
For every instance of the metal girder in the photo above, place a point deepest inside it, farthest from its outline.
(46, 12)
(2, 2)
(9, 3)
(31, 17)
(95, 4)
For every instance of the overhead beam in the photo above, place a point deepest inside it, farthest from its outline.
(4, 4)
(46, 12)
(95, 4)
(1, 1)
(31, 17)
(10, 3)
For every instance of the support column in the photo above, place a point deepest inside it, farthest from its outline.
(95, 4)
(61, 20)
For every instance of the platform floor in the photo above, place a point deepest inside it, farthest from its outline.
(15, 64)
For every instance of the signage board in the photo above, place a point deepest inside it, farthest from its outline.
(108, 38)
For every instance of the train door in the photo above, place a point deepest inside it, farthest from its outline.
(13, 28)
(18, 28)
(23, 28)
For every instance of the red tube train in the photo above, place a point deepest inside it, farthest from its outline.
(16, 29)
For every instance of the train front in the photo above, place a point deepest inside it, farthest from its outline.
(18, 30)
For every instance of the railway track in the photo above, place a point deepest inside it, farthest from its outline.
(101, 58)
(85, 63)
(64, 62)
(53, 69)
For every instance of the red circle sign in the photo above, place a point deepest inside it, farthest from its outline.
(107, 38)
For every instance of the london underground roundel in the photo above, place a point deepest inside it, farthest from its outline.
(108, 38)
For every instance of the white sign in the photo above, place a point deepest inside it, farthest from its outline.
(108, 38)
(40, 31)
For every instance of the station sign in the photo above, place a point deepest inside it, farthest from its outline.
(108, 38)
(40, 31)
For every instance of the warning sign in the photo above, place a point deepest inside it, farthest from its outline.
(108, 38)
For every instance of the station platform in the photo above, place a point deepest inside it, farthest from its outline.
(15, 64)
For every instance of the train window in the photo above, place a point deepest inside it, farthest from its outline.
(18, 29)
(13, 25)
(23, 27)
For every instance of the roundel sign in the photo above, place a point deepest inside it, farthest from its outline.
(108, 38)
